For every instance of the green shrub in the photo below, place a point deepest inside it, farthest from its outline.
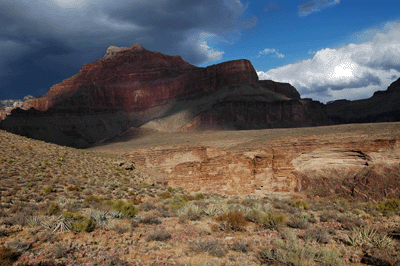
(54, 209)
(127, 209)
(300, 204)
(273, 221)
(74, 215)
(177, 201)
(389, 206)
(48, 189)
(90, 199)
(85, 225)
(165, 195)
(199, 196)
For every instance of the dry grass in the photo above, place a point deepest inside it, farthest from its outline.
(98, 213)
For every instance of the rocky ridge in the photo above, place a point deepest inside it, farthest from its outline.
(383, 106)
(132, 86)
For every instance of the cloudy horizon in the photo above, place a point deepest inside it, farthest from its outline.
(327, 49)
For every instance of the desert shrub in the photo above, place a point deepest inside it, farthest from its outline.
(235, 221)
(59, 250)
(389, 206)
(18, 245)
(240, 246)
(177, 201)
(319, 234)
(119, 227)
(48, 189)
(136, 200)
(273, 221)
(91, 199)
(54, 209)
(291, 252)
(165, 195)
(74, 215)
(199, 196)
(84, 225)
(127, 209)
(149, 220)
(350, 221)
(74, 188)
(147, 206)
(328, 216)
(158, 235)
(300, 204)
(8, 256)
(298, 223)
(254, 216)
(212, 247)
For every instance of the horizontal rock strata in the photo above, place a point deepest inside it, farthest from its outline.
(365, 170)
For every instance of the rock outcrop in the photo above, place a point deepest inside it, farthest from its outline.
(350, 165)
(383, 106)
(132, 86)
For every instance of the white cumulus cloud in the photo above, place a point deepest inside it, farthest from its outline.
(211, 53)
(270, 51)
(354, 71)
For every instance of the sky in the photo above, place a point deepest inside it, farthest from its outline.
(327, 49)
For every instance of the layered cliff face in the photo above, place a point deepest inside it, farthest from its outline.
(353, 161)
(383, 106)
(132, 86)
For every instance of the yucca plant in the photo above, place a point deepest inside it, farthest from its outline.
(212, 210)
(361, 236)
(60, 223)
(34, 221)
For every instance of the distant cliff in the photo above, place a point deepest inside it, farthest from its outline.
(383, 106)
(132, 86)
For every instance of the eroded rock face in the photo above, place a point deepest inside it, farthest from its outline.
(364, 170)
(131, 86)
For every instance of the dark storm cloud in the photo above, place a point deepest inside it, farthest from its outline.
(57, 37)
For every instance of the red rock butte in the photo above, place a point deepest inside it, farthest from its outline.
(132, 86)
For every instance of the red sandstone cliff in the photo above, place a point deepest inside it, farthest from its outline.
(132, 86)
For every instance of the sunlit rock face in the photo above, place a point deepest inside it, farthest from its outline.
(131, 86)
(366, 170)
